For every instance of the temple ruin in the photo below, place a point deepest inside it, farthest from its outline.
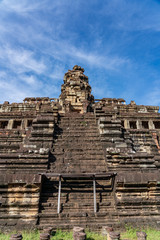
(78, 161)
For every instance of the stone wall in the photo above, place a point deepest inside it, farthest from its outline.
(76, 134)
(19, 200)
(26, 137)
(138, 198)
(131, 145)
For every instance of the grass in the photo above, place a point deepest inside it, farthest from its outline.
(60, 235)
(26, 235)
(130, 233)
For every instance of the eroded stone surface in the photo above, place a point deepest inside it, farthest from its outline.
(77, 134)
(76, 92)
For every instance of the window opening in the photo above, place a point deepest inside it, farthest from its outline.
(3, 124)
(133, 125)
(157, 125)
(29, 123)
(145, 124)
(16, 124)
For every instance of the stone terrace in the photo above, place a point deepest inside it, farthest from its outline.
(77, 160)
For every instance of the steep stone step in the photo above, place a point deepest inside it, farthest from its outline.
(77, 148)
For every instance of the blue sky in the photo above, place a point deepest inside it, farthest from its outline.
(116, 41)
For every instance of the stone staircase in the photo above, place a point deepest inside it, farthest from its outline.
(78, 146)
(77, 149)
(77, 204)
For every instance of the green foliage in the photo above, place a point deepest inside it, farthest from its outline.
(69, 236)
(4, 237)
(94, 236)
(30, 235)
(34, 235)
(152, 234)
(130, 233)
(60, 235)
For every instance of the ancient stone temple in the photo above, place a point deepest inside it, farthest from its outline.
(76, 92)
(77, 160)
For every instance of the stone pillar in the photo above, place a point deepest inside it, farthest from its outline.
(80, 236)
(78, 233)
(10, 124)
(44, 236)
(24, 123)
(139, 124)
(114, 236)
(151, 125)
(106, 230)
(48, 230)
(141, 235)
(126, 123)
(16, 237)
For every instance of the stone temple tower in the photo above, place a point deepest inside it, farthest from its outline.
(76, 92)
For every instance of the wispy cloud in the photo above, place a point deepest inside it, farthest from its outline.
(100, 91)
(21, 60)
(21, 7)
(16, 89)
(95, 59)
(39, 41)
(133, 15)
(12, 91)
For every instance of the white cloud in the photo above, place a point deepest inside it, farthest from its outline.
(52, 45)
(101, 92)
(21, 60)
(16, 88)
(58, 72)
(133, 15)
(39, 39)
(10, 92)
(67, 52)
(21, 6)
(106, 62)
(31, 80)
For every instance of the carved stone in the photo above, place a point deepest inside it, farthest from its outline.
(76, 91)
(141, 236)
(78, 161)
(44, 236)
(106, 231)
(114, 236)
(16, 237)
(78, 233)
